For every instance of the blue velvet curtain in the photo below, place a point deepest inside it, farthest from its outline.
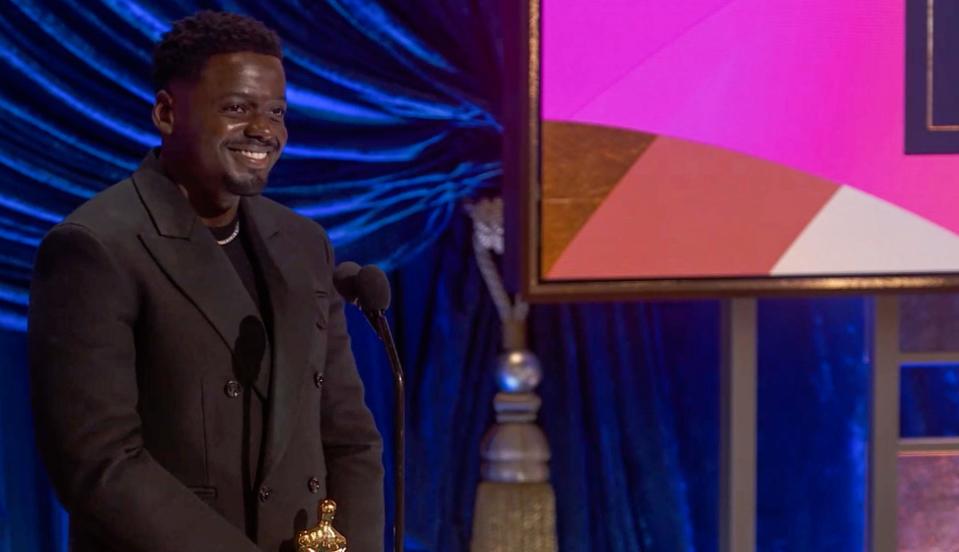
(930, 400)
(393, 122)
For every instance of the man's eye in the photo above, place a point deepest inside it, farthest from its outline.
(235, 108)
(279, 113)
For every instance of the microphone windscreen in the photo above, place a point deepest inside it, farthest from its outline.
(373, 288)
(344, 280)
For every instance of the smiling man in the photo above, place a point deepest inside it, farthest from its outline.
(193, 383)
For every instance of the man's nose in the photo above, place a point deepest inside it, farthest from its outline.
(259, 127)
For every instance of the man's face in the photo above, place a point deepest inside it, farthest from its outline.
(228, 127)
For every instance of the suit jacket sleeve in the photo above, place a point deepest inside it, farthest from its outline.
(83, 366)
(352, 446)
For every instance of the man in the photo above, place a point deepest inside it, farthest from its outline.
(193, 383)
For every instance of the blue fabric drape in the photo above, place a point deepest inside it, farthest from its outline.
(813, 427)
(930, 400)
(393, 122)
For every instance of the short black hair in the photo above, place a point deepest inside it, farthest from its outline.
(185, 48)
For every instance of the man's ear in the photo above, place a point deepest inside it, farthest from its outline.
(163, 112)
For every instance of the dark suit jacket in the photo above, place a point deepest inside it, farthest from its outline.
(134, 318)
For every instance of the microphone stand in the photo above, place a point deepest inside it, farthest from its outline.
(377, 319)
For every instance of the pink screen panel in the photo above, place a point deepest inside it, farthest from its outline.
(777, 139)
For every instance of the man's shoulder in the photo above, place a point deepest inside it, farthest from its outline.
(292, 221)
(115, 210)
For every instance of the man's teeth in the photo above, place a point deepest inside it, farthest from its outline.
(256, 155)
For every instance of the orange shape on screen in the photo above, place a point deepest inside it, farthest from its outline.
(686, 209)
(577, 178)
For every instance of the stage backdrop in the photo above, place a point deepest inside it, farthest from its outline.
(393, 122)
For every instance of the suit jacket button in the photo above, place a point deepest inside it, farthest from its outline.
(232, 389)
(265, 493)
(318, 380)
(314, 485)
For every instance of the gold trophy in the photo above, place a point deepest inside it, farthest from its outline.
(323, 537)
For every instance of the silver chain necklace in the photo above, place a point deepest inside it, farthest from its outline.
(232, 236)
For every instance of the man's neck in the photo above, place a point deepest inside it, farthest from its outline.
(212, 211)
(212, 216)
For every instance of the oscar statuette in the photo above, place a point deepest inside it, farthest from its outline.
(323, 537)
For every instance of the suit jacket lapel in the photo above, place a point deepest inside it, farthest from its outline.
(186, 251)
(291, 297)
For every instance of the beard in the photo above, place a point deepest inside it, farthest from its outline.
(246, 185)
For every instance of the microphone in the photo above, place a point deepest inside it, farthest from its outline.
(369, 289)
(372, 289)
(344, 280)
